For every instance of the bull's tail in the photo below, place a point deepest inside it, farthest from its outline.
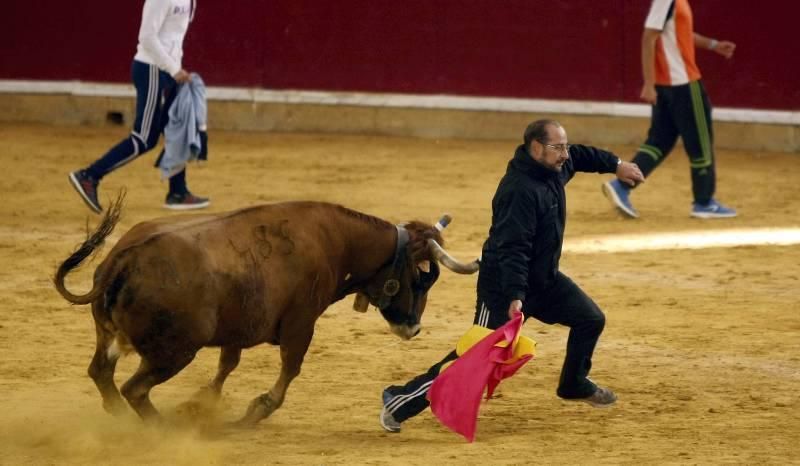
(93, 241)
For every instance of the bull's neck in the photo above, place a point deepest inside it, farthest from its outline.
(370, 244)
(370, 250)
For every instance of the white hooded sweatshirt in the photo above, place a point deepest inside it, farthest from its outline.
(164, 25)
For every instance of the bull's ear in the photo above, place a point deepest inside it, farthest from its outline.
(361, 302)
(425, 266)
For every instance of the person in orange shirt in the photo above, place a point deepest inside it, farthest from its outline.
(673, 86)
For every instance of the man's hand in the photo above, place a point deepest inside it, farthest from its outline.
(648, 93)
(629, 173)
(515, 306)
(182, 76)
(725, 48)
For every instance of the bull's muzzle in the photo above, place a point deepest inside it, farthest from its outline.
(405, 332)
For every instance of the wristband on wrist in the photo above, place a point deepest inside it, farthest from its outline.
(712, 44)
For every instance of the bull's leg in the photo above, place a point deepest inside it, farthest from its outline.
(228, 360)
(151, 372)
(101, 370)
(293, 349)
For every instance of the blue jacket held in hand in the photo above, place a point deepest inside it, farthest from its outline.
(188, 118)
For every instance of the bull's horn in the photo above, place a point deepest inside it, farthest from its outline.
(443, 222)
(450, 262)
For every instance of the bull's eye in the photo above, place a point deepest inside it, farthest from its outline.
(391, 287)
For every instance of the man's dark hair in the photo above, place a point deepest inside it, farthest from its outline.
(537, 131)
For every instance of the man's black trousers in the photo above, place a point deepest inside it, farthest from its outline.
(563, 303)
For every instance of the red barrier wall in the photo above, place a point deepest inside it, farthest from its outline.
(578, 49)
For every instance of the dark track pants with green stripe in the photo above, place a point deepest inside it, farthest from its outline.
(683, 111)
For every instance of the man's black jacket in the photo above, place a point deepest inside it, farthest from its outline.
(520, 257)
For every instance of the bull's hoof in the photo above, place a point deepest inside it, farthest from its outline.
(248, 421)
(260, 408)
(206, 396)
(241, 424)
(192, 409)
(115, 408)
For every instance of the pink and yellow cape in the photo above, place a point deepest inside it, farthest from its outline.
(485, 358)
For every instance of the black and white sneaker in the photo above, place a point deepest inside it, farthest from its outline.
(186, 201)
(388, 422)
(86, 186)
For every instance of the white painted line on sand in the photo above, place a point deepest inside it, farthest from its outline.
(683, 240)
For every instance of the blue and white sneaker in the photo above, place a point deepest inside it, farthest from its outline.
(620, 197)
(712, 210)
(388, 422)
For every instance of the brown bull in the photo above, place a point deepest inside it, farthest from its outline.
(237, 279)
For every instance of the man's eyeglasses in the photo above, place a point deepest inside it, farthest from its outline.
(556, 147)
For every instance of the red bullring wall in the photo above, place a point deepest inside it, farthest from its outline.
(576, 50)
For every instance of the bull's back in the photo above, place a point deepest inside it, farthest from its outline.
(237, 273)
(291, 237)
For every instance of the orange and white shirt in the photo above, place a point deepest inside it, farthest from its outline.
(674, 52)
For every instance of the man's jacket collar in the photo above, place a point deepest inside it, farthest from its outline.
(524, 162)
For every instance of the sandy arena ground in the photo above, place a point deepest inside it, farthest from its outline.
(701, 345)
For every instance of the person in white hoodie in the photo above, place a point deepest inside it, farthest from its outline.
(156, 72)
